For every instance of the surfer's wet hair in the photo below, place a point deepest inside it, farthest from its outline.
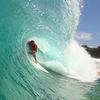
(32, 41)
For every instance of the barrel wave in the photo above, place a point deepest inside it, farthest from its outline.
(52, 24)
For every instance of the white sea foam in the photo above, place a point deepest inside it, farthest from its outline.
(80, 63)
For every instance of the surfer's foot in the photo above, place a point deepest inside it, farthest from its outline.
(36, 62)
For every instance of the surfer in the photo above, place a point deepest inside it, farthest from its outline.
(33, 47)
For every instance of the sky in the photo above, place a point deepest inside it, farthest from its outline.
(88, 31)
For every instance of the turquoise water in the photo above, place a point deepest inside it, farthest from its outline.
(52, 24)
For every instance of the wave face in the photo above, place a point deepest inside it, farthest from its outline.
(51, 23)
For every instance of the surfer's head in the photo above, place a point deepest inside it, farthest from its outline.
(31, 43)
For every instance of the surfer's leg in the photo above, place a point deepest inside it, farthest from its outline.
(34, 55)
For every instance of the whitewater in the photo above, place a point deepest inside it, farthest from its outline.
(66, 71)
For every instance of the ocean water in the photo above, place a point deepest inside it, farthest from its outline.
(66, 72)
